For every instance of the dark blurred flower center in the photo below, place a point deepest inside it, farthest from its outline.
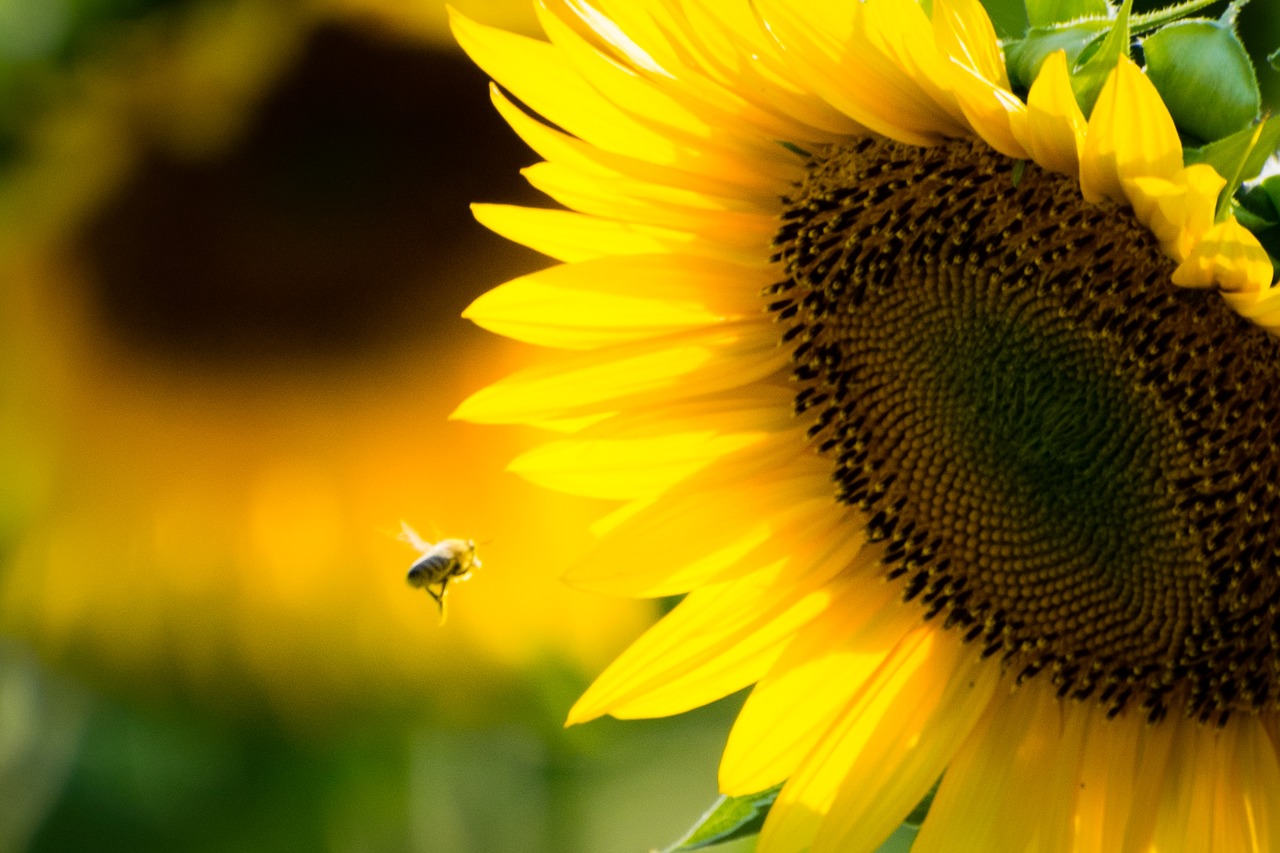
(339, 222)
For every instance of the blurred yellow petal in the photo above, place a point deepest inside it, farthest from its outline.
(1130, 135)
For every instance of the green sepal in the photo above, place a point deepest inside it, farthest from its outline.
(731, 818)
(1238, 158)
(1204, 76)
(1270, 187)
(921, 811)
(1099, 59)
(1046, 13)
(1249, 219)
(1256, 209)
(727, 819)
(1024, 57)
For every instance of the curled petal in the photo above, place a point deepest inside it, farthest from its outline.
(1053, 131)
(1228, 256)
(1178, 211)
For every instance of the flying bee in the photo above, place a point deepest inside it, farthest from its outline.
(441, 562)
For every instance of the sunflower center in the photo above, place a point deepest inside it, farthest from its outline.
(1067, 457)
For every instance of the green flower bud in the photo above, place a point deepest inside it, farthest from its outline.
(1205, 77)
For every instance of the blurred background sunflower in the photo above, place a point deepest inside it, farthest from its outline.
(234, 245)
(235, 242)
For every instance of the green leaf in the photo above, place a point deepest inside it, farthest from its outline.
(727, 819)
(1099, 59)
(730, 818)
(1204, 76)
(1046, 13)
(1239, 157)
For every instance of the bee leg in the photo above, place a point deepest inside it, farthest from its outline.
(439, 597)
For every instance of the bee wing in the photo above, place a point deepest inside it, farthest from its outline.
(408, 534)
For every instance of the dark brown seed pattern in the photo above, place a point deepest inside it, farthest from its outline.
(1063, 455)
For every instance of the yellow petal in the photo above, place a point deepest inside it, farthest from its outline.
(1130, 135)
(558, 147)
(727, 149)
(760, 407)
(832, 54)
(1054, 127)
(542, 77)
(993, 113)
(990, 798)
(678, 366)
(568, 236)
(721, 638)
(1260, 306)
(895, 738)
(629, 469)
(745, 58)
(828, 663)
(1104, 782)
(1245, 811)
(1179, 211)
(1184, 820)
(1156, 746)
(645, 204)
(963, 31)
(902, 749)
(893, 28)
(607, 301)
(1228, 256)
(737, 510)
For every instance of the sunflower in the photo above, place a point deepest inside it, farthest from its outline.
(950, 412)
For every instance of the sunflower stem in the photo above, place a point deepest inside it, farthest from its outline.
(1148, 21)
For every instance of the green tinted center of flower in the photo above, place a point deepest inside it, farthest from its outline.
(1068, 457)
